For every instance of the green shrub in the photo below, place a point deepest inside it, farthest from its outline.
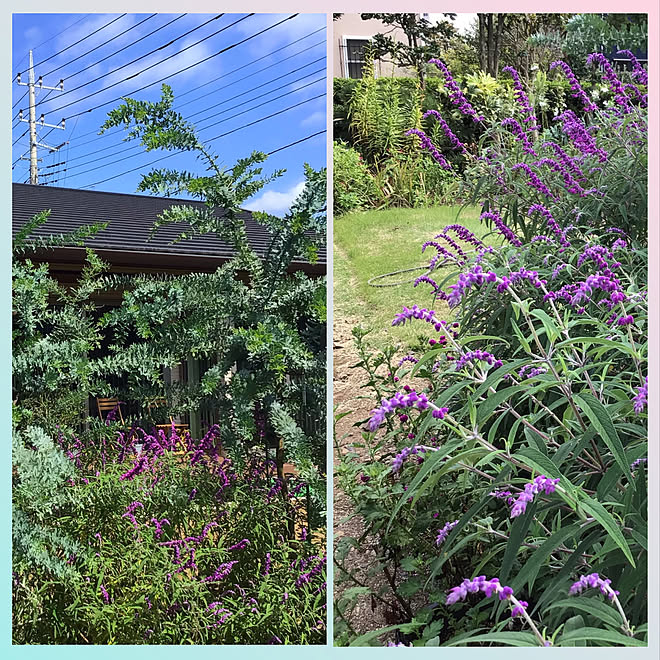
(354, 188)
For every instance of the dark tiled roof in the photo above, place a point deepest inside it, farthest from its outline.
(130, 219)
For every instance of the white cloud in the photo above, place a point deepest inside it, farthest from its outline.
(273, 202)
(314, 118)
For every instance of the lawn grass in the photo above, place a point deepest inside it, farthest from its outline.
(373, 243)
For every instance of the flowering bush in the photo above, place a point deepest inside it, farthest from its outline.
(158, 540)
(513, 443)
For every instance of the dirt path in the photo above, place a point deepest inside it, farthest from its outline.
(366, 615)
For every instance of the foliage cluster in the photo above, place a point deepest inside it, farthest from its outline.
(259, 324)
(513, 457)
(145, 539)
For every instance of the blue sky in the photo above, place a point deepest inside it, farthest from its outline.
(283, 67)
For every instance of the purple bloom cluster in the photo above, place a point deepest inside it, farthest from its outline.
(221, 572)
(576, 88)
(593, 581)
(534, 181)
(574, 294)
(416, 312)
(636, 463)
(523, 100)
(240, 545)
(568, 161)
(463, 233)
(306, 578)
(408, 358)
(471, 356)
(540, 484)
(400, 400)
(401, 457)
(158, 524)
(580, 136)
(620, 97)
(444, 532)
(640, 399)
(456, 96)
(521, 135)
(551, 223)
(572, 186)
(639, 72)
(427, 280)
(600, 256)
(267, 564)
(495, 218)
(104, 593)
(140, 466)
(442, 250)
(488, 587)
(427, 144)
(465, 282)
(529, 371)
(454, 141)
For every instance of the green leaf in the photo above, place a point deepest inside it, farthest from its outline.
(573, 624)
(594, 606)
(600, 513)
(597, 634)
(364, 640)
(599, 417)
(504, 638)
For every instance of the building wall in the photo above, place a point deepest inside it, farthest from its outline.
(351, 25)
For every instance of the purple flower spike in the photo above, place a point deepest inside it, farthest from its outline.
(455, 94)
(540, 484)
(454, 141)
(577, 90)
(620, 97)
(640, 400)
(523, 100)
(520, 134)
(495, 218)
(639, 72)
(444, 532)
(487, 587)
(427, 144)
(593, 581)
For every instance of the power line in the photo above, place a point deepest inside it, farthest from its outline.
(277, 50)
(59, 52)
(120, 34)
(220, 52)
(270, 153)
(226, 110)
(123, 66)
(57, 34)
(279, 112)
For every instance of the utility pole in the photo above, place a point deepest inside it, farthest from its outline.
(34, 143)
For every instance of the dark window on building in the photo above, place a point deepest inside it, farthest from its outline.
(355, 57)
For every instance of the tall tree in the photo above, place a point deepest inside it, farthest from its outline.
(424, 40)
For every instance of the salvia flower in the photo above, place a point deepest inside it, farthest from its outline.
(576, 88)
(453, 140)
(593, 581)
(426, 143)
(540, 484)
(580, 136)
(495, 218)
(640, 399)
(408, 358)
(529, 371)
(520, 134)
(550, 222)
(267, 564)
(221, 572)
(104, 593)
(636, 463)
(639, 72)
(620, 97)
(455, 94)
(444, 532)
(401, 457)
(489, 588)
(140, 466)
(471, 356)
(521, 96)
(534, 181)
(240, 545)
(400, 400)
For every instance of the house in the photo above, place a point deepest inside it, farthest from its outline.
(350, 37)
(128, 247)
